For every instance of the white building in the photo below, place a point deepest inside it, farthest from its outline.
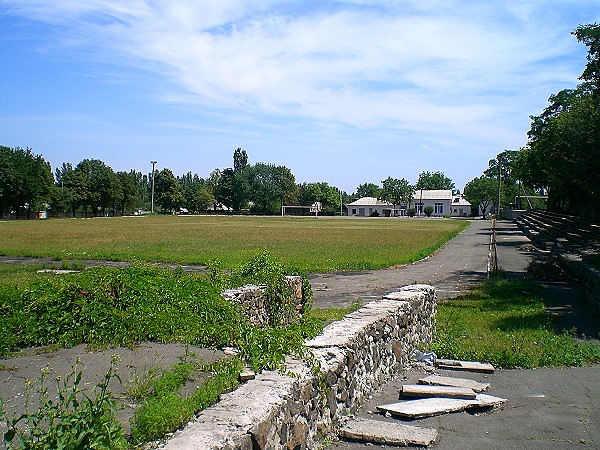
(366, 206)
(442, 202)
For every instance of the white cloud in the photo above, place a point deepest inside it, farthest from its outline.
(458, 71)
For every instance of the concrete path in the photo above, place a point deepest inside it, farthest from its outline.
(457, 266)
(546, 409)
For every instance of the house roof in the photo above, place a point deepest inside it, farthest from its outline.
(369, 201)
(459, 200)
(433, 194)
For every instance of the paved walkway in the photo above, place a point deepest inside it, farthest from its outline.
(546, 409)
(457, 266)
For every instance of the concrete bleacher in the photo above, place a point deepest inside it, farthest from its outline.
(548, 229)
(573, 240)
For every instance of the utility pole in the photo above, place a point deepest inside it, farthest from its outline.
(152, 201)
(499, 178)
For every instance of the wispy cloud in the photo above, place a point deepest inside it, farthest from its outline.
(448, 68)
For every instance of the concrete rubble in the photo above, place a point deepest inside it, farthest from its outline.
(458, 382)
(423, 390)
(426, 407)
(386, 433)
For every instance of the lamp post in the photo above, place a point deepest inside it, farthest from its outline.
(499, 182)
(152, 200)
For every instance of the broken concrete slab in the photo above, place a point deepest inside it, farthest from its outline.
(247, 374)
(415, 409)
(386, 433)
(471, 366)
(424, 390)
(458, 382)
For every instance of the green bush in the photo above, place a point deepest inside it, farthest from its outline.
(428, 211)
(110, 307)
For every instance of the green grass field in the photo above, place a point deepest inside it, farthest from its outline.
(313, 245)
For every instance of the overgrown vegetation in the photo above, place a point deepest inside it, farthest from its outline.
(166, 410)
(505, 322)
(68, 419)
(311, 245)
(110, 307)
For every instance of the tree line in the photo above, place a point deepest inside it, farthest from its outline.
(92, 188)
(561, 158)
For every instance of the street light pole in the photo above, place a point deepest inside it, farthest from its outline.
(152, 201)
(499, 178)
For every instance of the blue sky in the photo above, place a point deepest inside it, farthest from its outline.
(340, 91)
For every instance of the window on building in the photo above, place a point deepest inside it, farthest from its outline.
(439, 208)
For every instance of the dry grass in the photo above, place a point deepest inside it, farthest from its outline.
(323, 244)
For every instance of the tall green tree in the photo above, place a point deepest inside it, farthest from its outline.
(225, 190)
(562, 154)
(26, 180)
(328, 196)
(434, 180)
(271, 186)
(368, 190)
(481, 191)
(168, 192)
(397, 191)
(97, 185)
(128, 199)
(504, 166)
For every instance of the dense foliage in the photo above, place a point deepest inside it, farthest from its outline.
(25, 181)
(108, 307)
(434, 180)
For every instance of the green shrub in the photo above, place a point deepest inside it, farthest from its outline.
(428, 211)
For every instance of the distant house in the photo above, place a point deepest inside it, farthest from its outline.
(460, 207)
(441, 201)
(367, 206)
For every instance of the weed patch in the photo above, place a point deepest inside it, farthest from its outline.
(69, 419)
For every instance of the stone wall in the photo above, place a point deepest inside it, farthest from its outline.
(255, 305)
(355, 356)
